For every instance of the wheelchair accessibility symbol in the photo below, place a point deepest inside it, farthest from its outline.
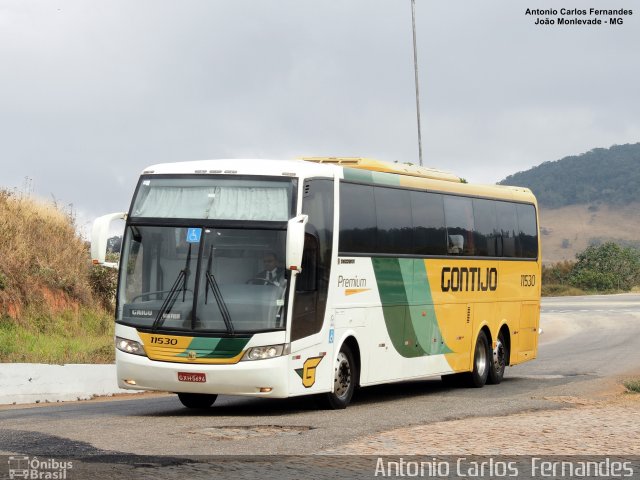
(193, 235)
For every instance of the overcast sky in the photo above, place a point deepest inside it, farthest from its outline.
(91, 92)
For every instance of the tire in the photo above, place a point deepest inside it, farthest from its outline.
(499, 361)
(481, 363)
(344, 381)
(197, 400)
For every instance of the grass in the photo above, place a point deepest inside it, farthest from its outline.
(52, 309)
(557, 290)
(632, 385)
(85, 336)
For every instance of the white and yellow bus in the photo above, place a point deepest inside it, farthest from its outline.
(284, 278)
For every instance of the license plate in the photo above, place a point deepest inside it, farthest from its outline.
(192, 377)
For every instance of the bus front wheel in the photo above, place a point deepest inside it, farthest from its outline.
(481, 363)
(344, 380)
(197, 400)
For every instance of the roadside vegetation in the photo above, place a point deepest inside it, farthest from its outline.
(605, 268)
(54, 306)
(633, 385)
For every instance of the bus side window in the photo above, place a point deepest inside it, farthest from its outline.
(429, 231)
(358, 224)
(307, 280)
(306, 318)
(458, 214)
(507, 227)
(527, 231)
(486, 224)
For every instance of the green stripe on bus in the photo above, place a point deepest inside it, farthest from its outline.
(381, 178)
(367, 176)
(423, 314)
(356, 175)
(407, 307)
(211, 347)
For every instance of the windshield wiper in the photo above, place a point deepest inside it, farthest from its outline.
(181, 282)
(211, 282)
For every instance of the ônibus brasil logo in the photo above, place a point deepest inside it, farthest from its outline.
(36, 469)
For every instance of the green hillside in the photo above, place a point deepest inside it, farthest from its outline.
(54, 306)
(602, 175)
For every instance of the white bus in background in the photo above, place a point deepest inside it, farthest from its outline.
(284, 278)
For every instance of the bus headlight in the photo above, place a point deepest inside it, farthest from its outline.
(130, 346)
(268, 351)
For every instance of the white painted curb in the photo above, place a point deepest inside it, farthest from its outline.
(39, 383)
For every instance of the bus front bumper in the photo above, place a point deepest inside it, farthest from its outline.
(259, 378)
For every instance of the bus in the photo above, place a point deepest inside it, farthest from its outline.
(316, 276)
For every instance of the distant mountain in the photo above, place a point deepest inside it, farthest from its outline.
(602, 175)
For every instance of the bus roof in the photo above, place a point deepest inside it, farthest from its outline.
(407, 175)
(234, 166)
(350, 168)
(380, 166)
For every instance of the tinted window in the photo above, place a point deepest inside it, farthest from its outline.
(307, 280)
(317, 202)
(357, 218)
(458, 214)
(429, 232)
(484, 215)
(528, 231)
(507, 227)
(393, 221)
(313, 282)
(393, 214)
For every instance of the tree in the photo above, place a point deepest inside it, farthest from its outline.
(606, 267)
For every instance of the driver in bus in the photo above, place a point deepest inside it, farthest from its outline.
(272, 273)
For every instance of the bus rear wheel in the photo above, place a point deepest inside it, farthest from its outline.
(344, 381)
(197, 400)
(481, 363)
(499, 360)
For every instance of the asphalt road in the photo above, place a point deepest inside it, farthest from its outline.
(587, 342)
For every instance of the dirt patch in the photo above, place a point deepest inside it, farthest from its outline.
(569, 230)
(239, 432)
(58, 301)
(606, 426)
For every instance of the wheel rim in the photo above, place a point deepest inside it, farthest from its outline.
(481, 358)
(342, 379)
(499, 356)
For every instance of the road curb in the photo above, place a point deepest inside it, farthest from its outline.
(39, 383)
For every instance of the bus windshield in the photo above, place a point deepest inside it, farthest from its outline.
(213, 197)
(202, 279)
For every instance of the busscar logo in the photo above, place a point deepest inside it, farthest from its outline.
(308, 371)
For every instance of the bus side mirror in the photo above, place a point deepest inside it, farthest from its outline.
(295, 241)
(99, 237)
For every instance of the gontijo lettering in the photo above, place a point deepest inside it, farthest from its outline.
(471, 279)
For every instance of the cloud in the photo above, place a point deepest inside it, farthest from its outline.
(92, 93)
